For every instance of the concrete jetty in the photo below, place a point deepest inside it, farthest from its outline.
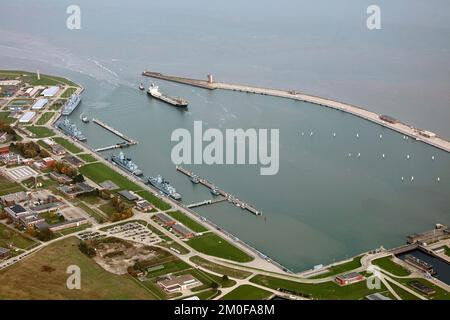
(226, 196)
(114, 146)
(403, 128)
(205, 202)
(115, 131)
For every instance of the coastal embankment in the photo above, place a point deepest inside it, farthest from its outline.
(385, 121)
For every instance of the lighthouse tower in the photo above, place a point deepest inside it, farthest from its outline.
(38, 75)
(210, 78)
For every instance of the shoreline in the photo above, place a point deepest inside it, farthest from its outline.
(362, 113)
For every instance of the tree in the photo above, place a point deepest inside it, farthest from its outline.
(214, 285)
(225, 278)
(78, 178)
(45, 235)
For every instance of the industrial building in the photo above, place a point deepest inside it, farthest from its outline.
(27, 117)
(179, 283)
(349, 278)
(50, 92)
(39, 104)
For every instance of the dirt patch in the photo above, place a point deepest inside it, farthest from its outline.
(116, 257)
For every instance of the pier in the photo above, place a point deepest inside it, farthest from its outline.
(403, 128)
(226, 196)
(114, 146)
(115, 131)
(206, 202)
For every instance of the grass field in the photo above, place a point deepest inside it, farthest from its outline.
(41, 132)
(247, 292)
(188, 222)
(387, 264)
(7, 186)
(207, 294)
(68, 92)
(160, 204)
(17, 239)
(447, 251)
(213, 245)
(99, 172)
(108, 209)
(45, 117)
(217, 268)
(440, 294)
(326, 290)
(67, 145)
(96, 283)
(405, 295)
(5, 118)
(340, 268)
(87, 157)
(31, 78)
(175, 245)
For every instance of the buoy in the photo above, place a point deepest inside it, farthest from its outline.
(384, 156)
(403, 178)
(432, 157)
(359, 154)
(404, 137)
(311, 134)
(334, 134)
(412, 178)
(381, 136)
(357, 135)
(439, 179)
(407, 156)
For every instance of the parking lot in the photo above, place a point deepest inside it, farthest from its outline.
(134, 231)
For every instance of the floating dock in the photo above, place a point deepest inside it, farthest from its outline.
(403, 128)
(226, 196)
(115, 131)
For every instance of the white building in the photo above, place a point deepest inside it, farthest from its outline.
(27, 117)
(50, 92)
(39, 104)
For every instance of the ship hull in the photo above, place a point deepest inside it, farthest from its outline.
(119, 164)
(69, 111)
(164, 191)
(169, 100)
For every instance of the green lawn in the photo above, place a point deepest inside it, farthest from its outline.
(175, 245)
(67, 145)
(387, 264)
(108, 209)
(327, 290)
(7, 186)
(68, 92)
(169, 267)
(41, 132)
(340, 268)
(213, 245)
(217, 268)
(188, 222)
(99, 172)
(247, 292)
(5, 118)
(207, 294)
(31, 78)
(87, 157)
(405, 295)
(28, 279)
(440, 294)
(9, 235)
(160, 204)
(45, 117)
(447, 251)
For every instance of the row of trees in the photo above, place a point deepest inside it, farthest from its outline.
(65, 168)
